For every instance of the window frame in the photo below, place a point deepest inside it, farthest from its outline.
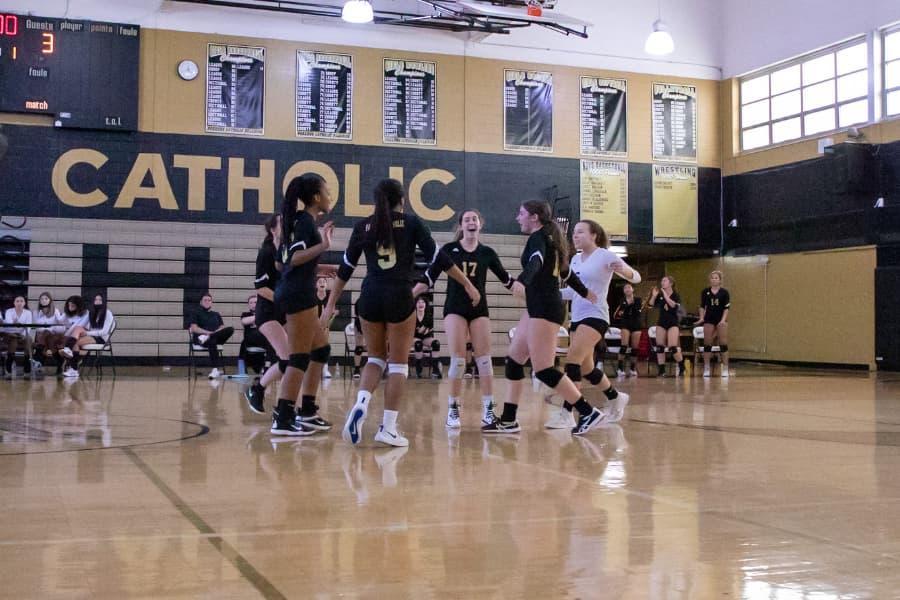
(883, 63)
(836, 105)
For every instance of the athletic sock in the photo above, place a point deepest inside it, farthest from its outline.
(509, 412)
(389, 422)
(307, 406)
(583, 407)
(611, 393)
(568, 405)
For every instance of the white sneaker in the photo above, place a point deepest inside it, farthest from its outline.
(620, 373)
(202, 338)
(326, 372)
(615, 409)
(70, 372)
(725, 374)
(706, 371)
(215, 374)
(352, 431)
(632, 373)
(67, 352)
(487, 415)
(453, 419)
(391, 438)
(561, 419)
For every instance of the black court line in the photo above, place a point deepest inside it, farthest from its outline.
(257, 579)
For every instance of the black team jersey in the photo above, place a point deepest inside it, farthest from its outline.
(267, 275)
(629, 313)
(475, 266)
(541, 273)
(715, 304)
(394, 265)
(304, 236)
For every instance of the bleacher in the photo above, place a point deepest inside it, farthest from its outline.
(143, 266)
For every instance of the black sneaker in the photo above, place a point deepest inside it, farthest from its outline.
(499, 426)
(436, 374)
(588, 422)
(314, 422)
(356, 373)
(288, 426)
(255, 396)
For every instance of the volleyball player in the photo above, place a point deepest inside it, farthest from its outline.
(545, 261)
(594, 265)
(322, 294)
(628, 319)
(270, 318)
(667, 300)
(715, 301)
(464, 322)
(423, 339)
(302, 245)
(386, 307)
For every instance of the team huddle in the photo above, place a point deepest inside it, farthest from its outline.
(290, 317)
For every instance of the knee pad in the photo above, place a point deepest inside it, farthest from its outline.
(378, 362)
(398, 369)
(485, 367)
(723, 348)
(435, 346)
(358, 351)
(299, 361)
(470, 347)
(282, 365)
(549, 377)
(417, 346)
(321, 354)
(514, 371)
(573, 371)
(703, 349)
(594, 377)
(457, 367)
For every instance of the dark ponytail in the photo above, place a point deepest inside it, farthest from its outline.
(552, 230)
(271, 222)
(304, 189)
(389, 195)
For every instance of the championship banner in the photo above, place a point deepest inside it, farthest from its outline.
(324, 95)
(604, 196)
(528, 111)
(235, 89)
(410, 102)
(675, 218)
(674, 122)
(603, 123)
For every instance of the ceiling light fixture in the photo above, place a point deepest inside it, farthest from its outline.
(358, 11)
(659, 42)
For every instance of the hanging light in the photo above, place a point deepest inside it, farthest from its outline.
(659, 42)
(358, 11)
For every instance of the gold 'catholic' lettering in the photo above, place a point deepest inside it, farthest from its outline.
(264, 184)
(197, 166)
(161, 190)
(415, 194)
(60, 178)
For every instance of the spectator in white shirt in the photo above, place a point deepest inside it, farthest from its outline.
(100, 322)
(50, 339)
(18, 314)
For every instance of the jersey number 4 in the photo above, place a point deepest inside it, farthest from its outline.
(387, 258)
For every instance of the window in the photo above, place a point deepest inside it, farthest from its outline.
(891, 45)
(816, 93)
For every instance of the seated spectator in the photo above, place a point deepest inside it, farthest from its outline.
(208, 330)
(99, 325)
(49, 340)
(13, 336)
(254, 338)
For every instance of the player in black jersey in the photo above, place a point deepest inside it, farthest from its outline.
(628, 318)
(386, 307)
(301, 246)
(269, 317)
(545, 262)
(715, 301)
(667, 300)
(462, 321)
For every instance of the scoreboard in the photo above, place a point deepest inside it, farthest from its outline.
(84, 73)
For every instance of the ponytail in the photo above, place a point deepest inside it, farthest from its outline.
(551, 228)
(389, 195)
(271, 222)
(303, 189)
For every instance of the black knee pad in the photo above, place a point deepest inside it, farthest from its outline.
(417, 346)
(435, 346)
(549, 377)
(594, 377)
(321, 354)
(299, 361)
(573, 371)
(514, 371)
(723, 347)
(283, 364)
(358, 351)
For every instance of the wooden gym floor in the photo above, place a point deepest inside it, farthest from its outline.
(776, 484)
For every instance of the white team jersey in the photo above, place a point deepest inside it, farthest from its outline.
(595, 272)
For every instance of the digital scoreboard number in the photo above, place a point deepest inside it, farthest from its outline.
(84, 73)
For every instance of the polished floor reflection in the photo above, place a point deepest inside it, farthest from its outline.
(776, 484)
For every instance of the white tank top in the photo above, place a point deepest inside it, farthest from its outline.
(595, 272)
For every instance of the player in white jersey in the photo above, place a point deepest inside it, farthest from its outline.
(594, 265)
